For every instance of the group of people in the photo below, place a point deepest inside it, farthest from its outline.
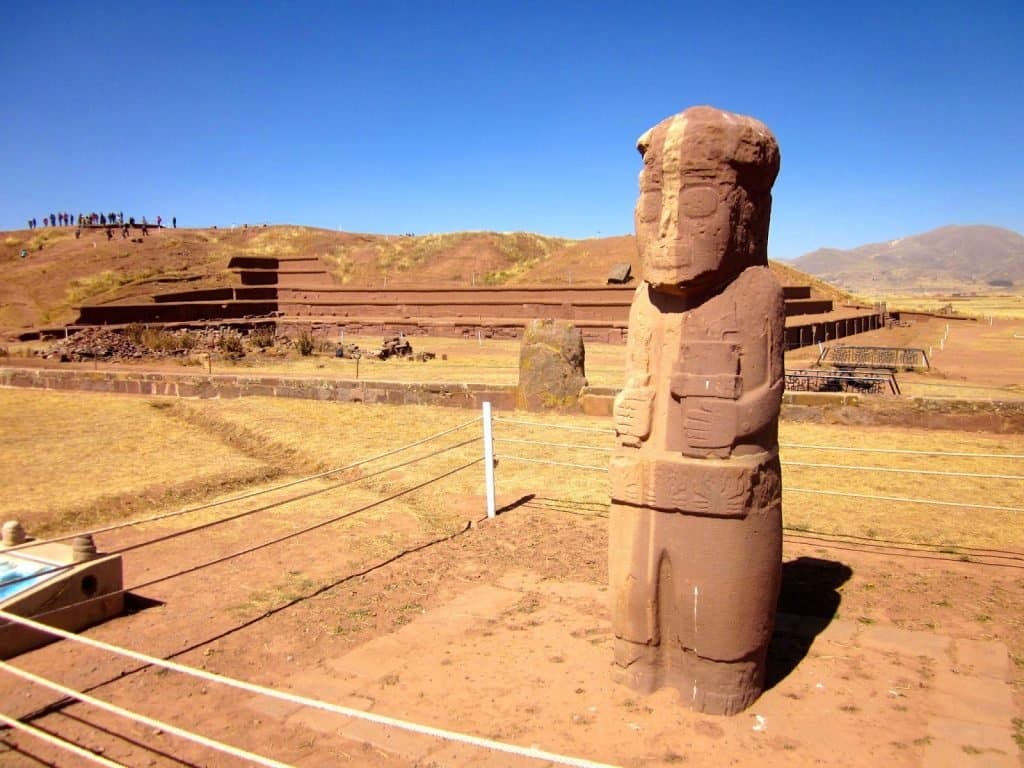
(96, 220)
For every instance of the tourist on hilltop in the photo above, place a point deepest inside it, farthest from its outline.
(124, 231)
(120, 217)
(174, 222)
(158, 220)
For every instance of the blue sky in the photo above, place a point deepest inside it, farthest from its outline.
(893, 117)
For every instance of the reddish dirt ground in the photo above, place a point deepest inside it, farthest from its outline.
(974, 354)
(883, 655)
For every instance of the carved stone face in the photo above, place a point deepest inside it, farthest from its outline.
(705, 198)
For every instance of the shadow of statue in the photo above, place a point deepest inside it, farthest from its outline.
(808, 601)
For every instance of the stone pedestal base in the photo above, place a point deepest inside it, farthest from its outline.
(704, 685)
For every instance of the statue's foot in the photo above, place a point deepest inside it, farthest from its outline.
(704, 685)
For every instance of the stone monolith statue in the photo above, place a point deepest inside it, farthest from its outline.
(552, 366)
(695, 534)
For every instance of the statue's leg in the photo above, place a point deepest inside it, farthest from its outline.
(645, 601)
(633, 597)
(732, 574)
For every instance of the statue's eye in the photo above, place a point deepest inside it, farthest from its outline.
(698, 202)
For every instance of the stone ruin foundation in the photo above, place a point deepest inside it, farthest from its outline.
(695, 539)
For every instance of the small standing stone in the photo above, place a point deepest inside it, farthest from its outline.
(13, 534)
(551, 366)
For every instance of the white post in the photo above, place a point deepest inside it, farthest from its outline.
(489, 459)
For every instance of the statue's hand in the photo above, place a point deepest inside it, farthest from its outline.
(710, 423)
(632, 413)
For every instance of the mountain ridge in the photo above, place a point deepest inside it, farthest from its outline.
(952, 258)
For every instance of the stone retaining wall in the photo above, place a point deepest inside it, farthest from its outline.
(1001, 417)
(230, 386)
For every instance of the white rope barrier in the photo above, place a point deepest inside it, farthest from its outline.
(59, 743)
(139, 545)
(244, 496)
(554, 445)
(938, 472)
(904, 451)
(426, 730)
(307, 495)
(903, 499)
(139, 718)
(959, 454)
(552, 463)
(554, 426)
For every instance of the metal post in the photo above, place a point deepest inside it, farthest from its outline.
(489, 459)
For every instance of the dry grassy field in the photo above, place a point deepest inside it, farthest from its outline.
(1008, 305)
(72, 459)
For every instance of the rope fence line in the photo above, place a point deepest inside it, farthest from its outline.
(553, 463)
(247, 550)
(906, 452)
(48, 572)
(932, 502)
(849, 467)
(249, 495)
(936, 472)
(292, 499)
(553, 445)
(59, 743)
(358, 714)
(143, 719)
(319, 590)
(498, 419)
(307, 529)
(957, 454)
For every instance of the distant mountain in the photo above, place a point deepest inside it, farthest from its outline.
(948, 259)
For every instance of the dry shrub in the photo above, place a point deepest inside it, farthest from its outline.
(263, 338)
(229, 344)
(160, 340)
(305, 342)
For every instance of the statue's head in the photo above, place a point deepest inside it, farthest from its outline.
(705, 198)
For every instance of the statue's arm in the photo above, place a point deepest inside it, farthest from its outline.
(721, 421)
(634, 404)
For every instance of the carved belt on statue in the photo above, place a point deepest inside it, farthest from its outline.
(712, 487)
